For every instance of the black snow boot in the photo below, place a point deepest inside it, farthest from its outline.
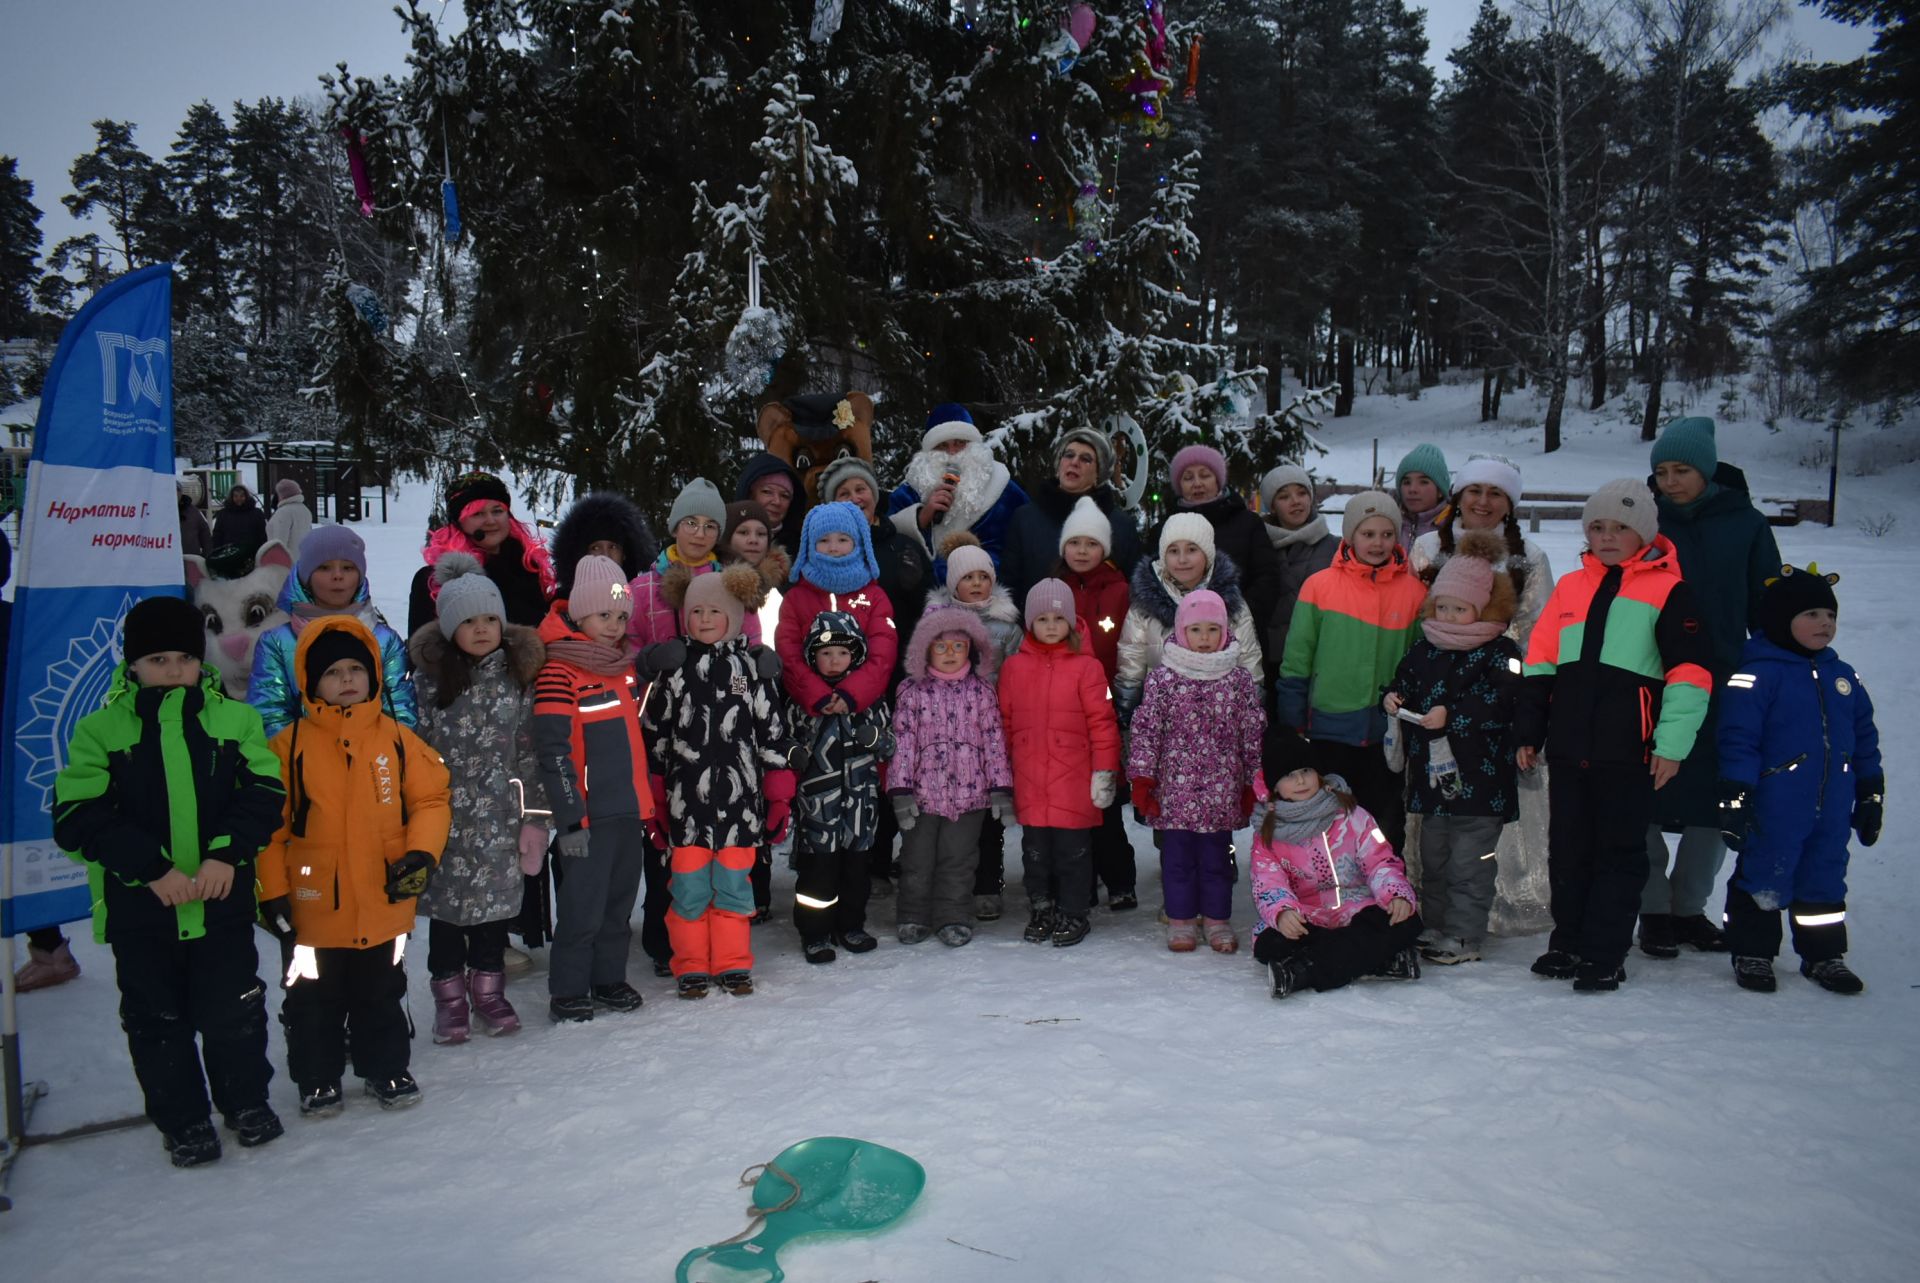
(694, 985)
(1833, 975)
(1285, 977)
(737, 983)
(1754, 973)
(397, 1092)
(564, 1011)
(619, 996)
(255, 1125)
(857, 942)
(1556, 964)
(1404, 965)
(192, 1145)
(1657, 939)
(818, 951)
(1069, 929)
(1598, 977)
(1040, 924)
(1700, 932)
(322, 1101)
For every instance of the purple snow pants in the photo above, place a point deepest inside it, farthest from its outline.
(1196, 877)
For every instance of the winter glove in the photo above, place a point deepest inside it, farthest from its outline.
(780, 788)
(1000, 806)
(573, 844)
(905, 810)
(276, 915)
(408, 876)
(662, 657)
(1146, 797)
(1103, 788)
(766, 663)
(1868, 806)
(1736, 814)
(533, 848)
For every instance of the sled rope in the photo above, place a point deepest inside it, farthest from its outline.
(756, 1214)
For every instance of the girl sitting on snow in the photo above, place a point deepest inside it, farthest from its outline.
(1333, 900)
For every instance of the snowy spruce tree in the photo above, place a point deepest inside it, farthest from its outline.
(912, 186)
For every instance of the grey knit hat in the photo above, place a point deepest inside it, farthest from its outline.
(465, 593)
(1095, 440)
(1627, 501)
(698, 498)
(839, 470)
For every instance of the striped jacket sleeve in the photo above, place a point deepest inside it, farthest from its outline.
(554, 705)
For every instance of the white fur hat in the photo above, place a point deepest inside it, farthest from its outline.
(1087, 519)
(1489, 470)
(1190, 526)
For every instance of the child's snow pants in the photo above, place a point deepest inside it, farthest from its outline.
(361, 992)
(593, 927)
(1597, 857)
(708, 920)
(937, 864)
(171, 990)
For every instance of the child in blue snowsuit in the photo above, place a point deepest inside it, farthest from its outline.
(1800, 766)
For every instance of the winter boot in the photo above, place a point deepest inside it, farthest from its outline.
(192, 1145)
(954, 934)
(1754, 973)
(1556, 964)
(987, 908)
(449, 1009)
(737, 983)
(1404, 965)
(618, 996)
(1039, 923)
(46, 968)
(663, 968)
(1657, 938)
(397, 1092)
(489, 992)
(1221, 937)
(1450, 951)
(570, 1011)
(322, 1101)
(1598, 977)
(1183, 935)
(1285, 977)
(1122, 902)
(856, 942)
(911, 933)
(818, 951)
(1833, 975)
(255, 1125)
(693, 985)
(1070, 929)
(1700, 932)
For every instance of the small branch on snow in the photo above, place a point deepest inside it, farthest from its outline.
(1044, 1020)
(983, 1251)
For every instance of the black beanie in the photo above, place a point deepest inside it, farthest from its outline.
(164, 623)
(1282, 752)
(466, 488)
(329, 649)
(1793, 592)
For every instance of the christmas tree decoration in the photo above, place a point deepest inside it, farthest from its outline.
(450, 209)
(357, 167)
(367, 304)
(827, 15)
(1192, 90)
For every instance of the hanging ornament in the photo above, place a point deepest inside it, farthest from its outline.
(450, 207)
(357, 166)
(1156, 34)
(1192, 91)
(1076, 30)
(367, 303)
(827, 15)
(1085, 215)
(758, 340)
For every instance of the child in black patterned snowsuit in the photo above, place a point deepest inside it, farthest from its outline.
(838, 810)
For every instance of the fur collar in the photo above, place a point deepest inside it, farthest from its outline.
(983, 479)
(999, 607)
(1159, 600)
(433, 654)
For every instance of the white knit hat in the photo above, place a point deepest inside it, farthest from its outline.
(1087, 519)
(1627, 501)
(1489, 470)
(1190, 526)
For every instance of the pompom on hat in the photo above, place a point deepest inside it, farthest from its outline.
(1086, 521)
(964, 555)
(465, 593)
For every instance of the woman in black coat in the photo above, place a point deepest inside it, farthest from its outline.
(480, 522)
(1199, 476)
(240, 523)
(1082, 462)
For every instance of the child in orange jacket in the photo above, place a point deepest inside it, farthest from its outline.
(366, 819)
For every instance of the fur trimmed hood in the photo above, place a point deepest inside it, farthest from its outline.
(999, 606)
(598, 516)
(432, 653)
(952, 619)
(1153, 596)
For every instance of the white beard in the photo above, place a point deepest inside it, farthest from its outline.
(983, 479)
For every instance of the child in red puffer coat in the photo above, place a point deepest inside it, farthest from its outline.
(1065, 745)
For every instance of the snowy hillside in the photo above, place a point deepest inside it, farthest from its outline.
(1114, 1111)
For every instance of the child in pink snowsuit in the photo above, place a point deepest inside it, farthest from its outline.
(1195, 755)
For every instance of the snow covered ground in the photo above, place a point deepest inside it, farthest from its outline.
(1114, 1111)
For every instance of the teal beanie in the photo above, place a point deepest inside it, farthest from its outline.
(1688, 441)
(1427, 460)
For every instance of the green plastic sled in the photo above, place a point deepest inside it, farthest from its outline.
(844, 1187)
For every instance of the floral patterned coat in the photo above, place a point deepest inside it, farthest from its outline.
(1197, 735)
(486, 737)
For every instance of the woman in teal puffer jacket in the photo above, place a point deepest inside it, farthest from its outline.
(332, 569)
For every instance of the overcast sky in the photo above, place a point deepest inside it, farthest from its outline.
(68, 63)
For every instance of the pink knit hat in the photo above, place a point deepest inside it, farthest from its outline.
(1049, 597)
(1468, 579)
(1202, 607)
(599, 586)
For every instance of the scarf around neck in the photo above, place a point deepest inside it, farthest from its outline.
(1298, 823)
(592, 656)
(1313, 532)
(1194, 666)
(1461, 636)
(842, 574)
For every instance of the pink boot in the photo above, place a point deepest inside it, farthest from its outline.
(449, 1009)
(1183, 934)
(1221, 937)
(489, 989)
(46, 968)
